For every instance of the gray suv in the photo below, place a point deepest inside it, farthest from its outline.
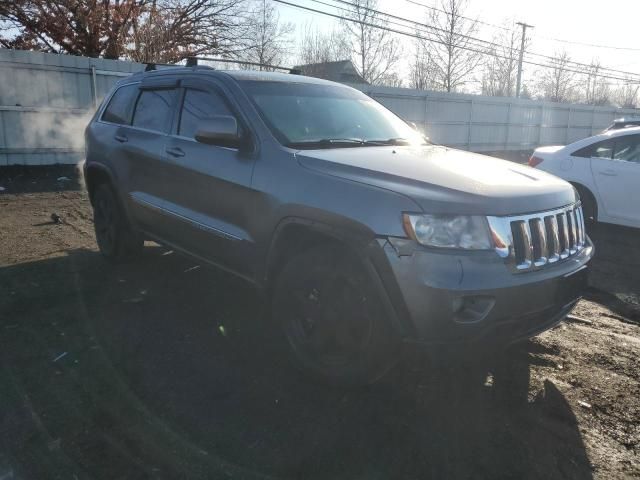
(362, 233)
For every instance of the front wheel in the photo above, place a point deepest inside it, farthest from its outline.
(332, 318)
(115, 237)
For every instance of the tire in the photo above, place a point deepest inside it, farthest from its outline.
(116, 239)
(332, 319)
(589, 205)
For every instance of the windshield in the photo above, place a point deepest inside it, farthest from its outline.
(327, 116)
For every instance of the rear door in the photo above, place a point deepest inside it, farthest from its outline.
(143, 144)
(210, 200)
(616, 170)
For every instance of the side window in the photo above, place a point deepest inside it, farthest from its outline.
(154, 109)
(197, 106)
(602, 149)
(628, 148)
(119, 108)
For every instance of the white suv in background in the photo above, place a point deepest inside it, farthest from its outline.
(605, 169)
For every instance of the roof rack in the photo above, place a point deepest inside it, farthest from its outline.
(154, 66)
(193, 61)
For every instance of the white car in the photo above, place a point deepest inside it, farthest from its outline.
(605, 169)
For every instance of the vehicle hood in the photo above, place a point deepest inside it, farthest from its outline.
(444, 180)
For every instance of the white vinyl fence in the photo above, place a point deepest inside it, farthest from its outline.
(481, 124)
(46, 101)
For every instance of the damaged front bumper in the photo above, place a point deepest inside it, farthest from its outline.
(456, 296)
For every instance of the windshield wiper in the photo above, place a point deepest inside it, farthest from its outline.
(349, 142)
(327, 143)
(389, 141)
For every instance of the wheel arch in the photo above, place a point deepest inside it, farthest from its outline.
(587, 196)
(96, 174)
(294, 235)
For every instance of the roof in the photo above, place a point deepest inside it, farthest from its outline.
(341, 71)
(235, 74)
(604, 136)
(633, 118)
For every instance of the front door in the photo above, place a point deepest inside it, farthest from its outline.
(209, 201)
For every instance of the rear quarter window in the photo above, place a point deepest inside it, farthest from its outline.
(120, 105)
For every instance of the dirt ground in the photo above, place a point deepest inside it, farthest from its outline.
(125, 372)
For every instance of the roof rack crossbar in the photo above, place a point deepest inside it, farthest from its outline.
(240, 62)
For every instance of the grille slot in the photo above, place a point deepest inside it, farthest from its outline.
(531, 242)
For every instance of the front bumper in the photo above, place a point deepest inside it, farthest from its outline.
(452, 297)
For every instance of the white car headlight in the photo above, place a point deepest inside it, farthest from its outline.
(449, 231)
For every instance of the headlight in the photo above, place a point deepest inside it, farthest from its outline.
(449, 231)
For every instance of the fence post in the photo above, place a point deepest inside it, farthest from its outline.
(541, 125)
(94, 86)
(469, 126)
(566, 136)
(506, 133)
(426, 112)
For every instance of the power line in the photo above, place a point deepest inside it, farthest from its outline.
(502, 27)
(593, 45)
(476, 20)
(476, 40)
(406, 34)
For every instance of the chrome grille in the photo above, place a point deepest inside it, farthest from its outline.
(531, 242)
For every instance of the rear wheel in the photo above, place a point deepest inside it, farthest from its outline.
(115, 237)
(332, 318)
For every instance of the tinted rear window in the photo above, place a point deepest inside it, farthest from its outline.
(153, 110)
(119, 108)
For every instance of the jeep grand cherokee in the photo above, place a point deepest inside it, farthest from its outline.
(362, 233)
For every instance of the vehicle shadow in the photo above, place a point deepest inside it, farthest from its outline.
(166, 369)
(615, 269)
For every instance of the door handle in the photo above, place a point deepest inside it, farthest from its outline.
(609, 173)
(175, 152)
(121, 138)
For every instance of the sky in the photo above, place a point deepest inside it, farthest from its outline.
(614, 23)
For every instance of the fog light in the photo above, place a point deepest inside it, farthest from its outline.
(472, 308)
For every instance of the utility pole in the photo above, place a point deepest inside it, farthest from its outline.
(524, 37)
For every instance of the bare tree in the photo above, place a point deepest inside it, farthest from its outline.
(391, 80)
(449, 46)
(375, 51)
(272, 42)
(167, 31)
(626, 96)
(501, 69)
(423, 73)
(597, 90)
(558, 83)
(318, 47)
(525, 92)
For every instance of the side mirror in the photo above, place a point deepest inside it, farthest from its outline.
(219, 130)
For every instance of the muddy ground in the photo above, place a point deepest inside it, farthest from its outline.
(124, 372)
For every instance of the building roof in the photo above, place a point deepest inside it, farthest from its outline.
(342, 71)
